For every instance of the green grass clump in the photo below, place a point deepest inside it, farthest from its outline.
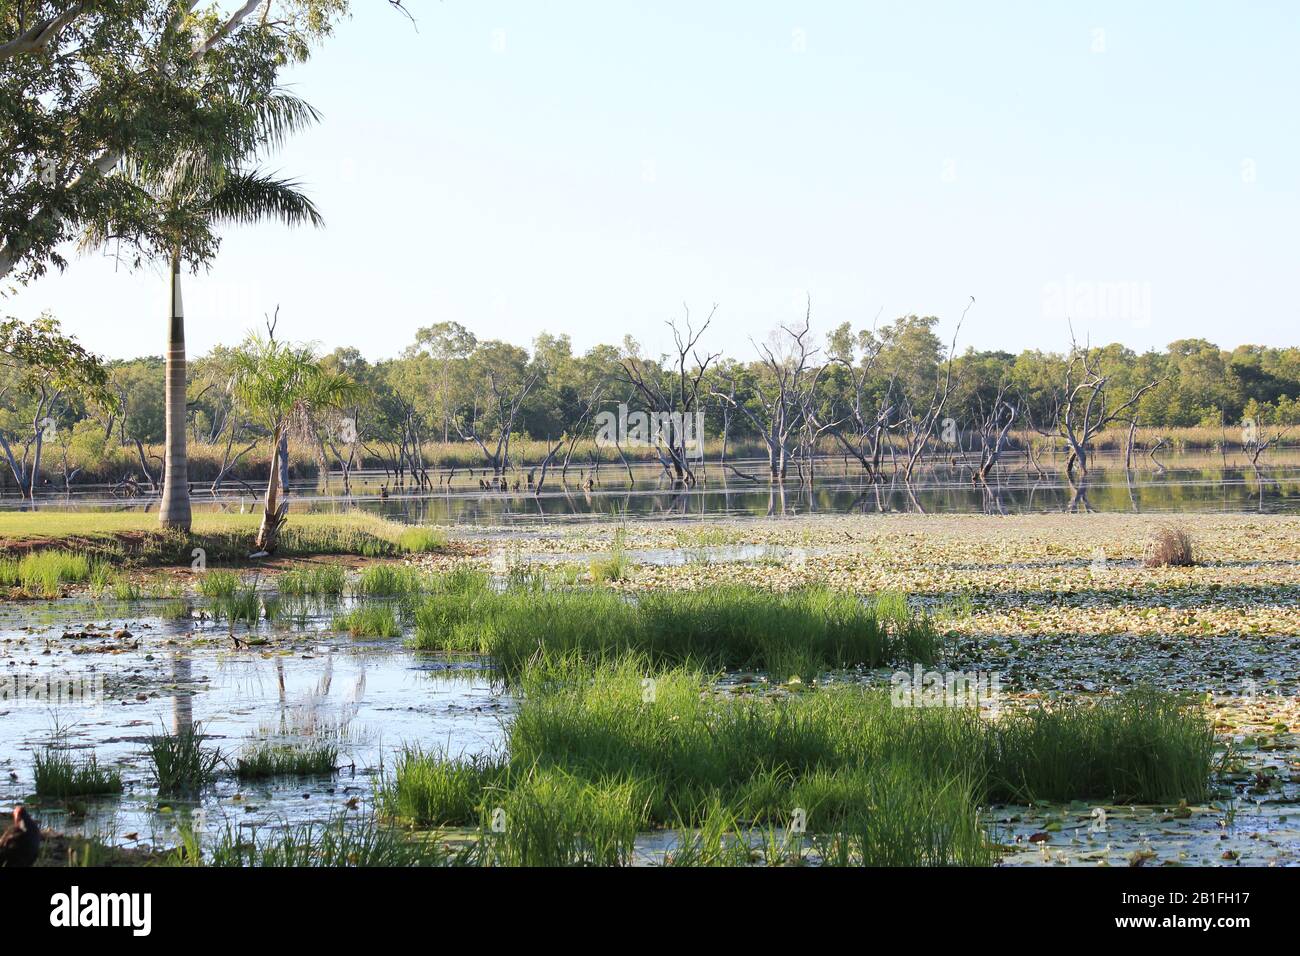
(764, 756)
(422, 539)
(431, 789)
(553, 818)
(44, 572)
(317, 758)
(616, 566)
(374, 620)
(244, 605)
(1142, 746)
(802, 632)
(326, 580)
(60, 776)
(219, 584)
(390, 580)
(181, 764)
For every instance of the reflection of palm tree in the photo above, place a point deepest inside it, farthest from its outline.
(182, 697)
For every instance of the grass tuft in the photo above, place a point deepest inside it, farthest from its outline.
(60, 776)
(374, 620)
(181, 764)
(1169, 547)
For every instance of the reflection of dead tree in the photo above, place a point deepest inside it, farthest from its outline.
(993, 428)
(676, 394)
(782, 408)
(1254, 449)
(1161, 442)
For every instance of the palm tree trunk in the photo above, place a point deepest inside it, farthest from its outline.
(174, 511)
(273, 513)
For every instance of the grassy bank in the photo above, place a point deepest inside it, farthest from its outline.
(134, 537)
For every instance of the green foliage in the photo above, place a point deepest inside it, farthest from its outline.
(372, 620)
(181, 764)
(60, 775)
(803, 632)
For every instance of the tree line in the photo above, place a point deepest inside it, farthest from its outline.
(895, 389)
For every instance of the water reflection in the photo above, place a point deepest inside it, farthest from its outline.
(737, 489)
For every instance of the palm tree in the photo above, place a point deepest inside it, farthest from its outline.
(182, 205)
(280, 386)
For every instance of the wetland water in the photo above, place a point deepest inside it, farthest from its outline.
(1199, 483)
(151, 667)
(142, 673)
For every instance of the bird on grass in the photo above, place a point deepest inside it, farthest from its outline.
(20, 844)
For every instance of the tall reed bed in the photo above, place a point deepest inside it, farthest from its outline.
(600, 751)
(801, 632)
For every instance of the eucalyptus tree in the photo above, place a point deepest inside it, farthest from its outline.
(281, 385)
(41, 369)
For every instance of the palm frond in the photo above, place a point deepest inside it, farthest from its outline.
(243, 198)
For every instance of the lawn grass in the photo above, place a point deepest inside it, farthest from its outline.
(803, 632)
(60, 775)
(133, 537)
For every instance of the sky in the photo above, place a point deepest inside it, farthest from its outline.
(594, 167)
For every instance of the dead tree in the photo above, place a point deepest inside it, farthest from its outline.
(1086, 407)
(782, 404)
(675, 394)
(993, 427)
(918, 430)
(507, 403)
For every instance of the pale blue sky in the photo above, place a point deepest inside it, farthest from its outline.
(585, 167)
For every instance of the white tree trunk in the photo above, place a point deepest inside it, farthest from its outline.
(175, 509)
